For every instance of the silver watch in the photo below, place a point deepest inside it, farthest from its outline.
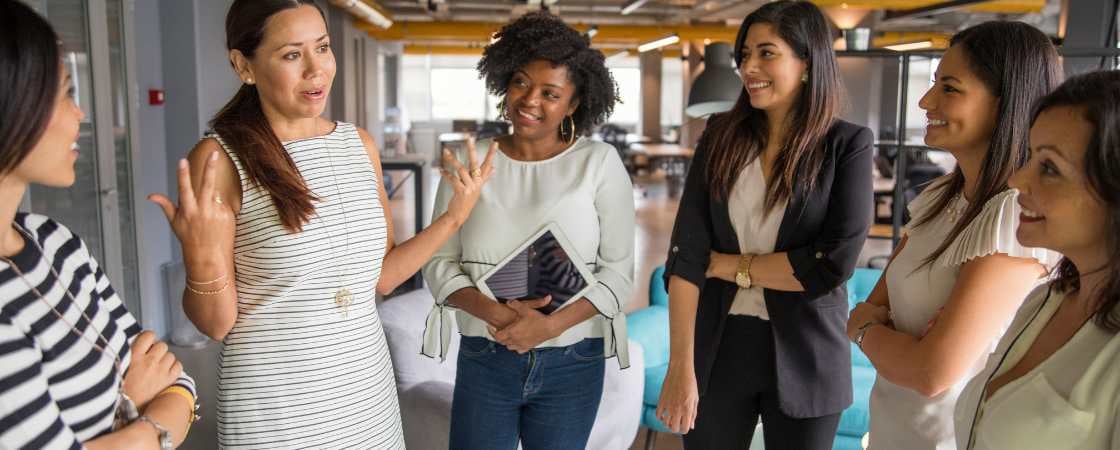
(164, 436)
(863, 331)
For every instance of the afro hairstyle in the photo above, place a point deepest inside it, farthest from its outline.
(543, 36)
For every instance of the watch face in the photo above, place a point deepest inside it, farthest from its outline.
(741, 280)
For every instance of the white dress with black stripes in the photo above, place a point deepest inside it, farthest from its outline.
(57, 390)
(299, 370)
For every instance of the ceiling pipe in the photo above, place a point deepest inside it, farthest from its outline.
(367, 11)
(929, 10)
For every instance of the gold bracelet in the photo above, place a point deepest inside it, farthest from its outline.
(190, 281)
(214, 292)
(191, 400)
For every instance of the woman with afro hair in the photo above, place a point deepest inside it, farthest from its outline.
(524, 374)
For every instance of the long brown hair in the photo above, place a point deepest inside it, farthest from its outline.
(243, 126)
(30, 69)
(1018, 64)
(1097, 95)
(740, 135)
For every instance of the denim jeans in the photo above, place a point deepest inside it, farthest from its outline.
(547, 398)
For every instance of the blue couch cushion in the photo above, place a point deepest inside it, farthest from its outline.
(857, 418)
(658, 293)
(650, 327)
(655, 378)
(650, 420)
(847, 443)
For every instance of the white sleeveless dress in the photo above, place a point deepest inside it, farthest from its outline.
(900, 417)
(299, 370)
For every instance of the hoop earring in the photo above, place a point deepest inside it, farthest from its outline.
(502, 110)
(572, 135)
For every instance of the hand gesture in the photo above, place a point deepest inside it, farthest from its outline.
(679, 399)
(529, 329)
(466, 182)
(152, 369)
(203, 222)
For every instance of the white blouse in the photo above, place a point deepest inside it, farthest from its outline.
(1070, 401)
(756, 230)
(902, 418)
(586, 192)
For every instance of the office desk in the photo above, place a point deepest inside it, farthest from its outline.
(673, 158)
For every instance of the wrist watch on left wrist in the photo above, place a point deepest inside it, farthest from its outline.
(863, 332)
(164, 436)
(743, 272)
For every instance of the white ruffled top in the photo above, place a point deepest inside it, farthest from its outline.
(901, 417)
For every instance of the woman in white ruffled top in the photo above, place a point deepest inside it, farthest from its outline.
(958, 275)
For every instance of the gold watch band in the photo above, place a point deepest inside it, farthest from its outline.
(743, 272)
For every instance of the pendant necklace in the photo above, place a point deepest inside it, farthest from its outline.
(343, 297)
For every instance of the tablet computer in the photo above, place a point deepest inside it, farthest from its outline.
(545, 264)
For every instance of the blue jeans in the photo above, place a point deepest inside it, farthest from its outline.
(547, 398)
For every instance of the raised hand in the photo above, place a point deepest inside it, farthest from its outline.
(203, 221)
(152, 369)
(466, 182)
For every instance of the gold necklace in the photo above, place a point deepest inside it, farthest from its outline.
(125, 409)
(343, 297)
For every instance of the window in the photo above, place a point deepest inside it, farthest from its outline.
(457, 94)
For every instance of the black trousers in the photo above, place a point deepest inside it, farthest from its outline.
(742, 389)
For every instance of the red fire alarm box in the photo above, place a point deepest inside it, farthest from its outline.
(155, 97)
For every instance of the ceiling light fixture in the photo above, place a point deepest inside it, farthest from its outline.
(654, 45)
(919, 45)
(632, 6)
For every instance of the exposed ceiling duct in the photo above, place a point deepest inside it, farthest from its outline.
(366, 10)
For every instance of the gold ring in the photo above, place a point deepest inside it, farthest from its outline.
(476, 173)
(218, 199)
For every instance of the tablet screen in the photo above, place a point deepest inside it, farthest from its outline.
(542, 268)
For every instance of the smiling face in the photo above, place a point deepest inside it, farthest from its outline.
(51, 160)
(539, 98)
(961, 112)
(293, 68)
(770, 70)
(1060, 210)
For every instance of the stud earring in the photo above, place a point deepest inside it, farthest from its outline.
(805, 77)
(248, 81)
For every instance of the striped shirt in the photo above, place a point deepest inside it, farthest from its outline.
(56, 389)
(299, 370)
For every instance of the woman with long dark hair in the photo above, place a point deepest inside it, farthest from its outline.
(76, 369)
(774, 214)
(285, 232)
(958, 274)
(1054, 379)
(524, 374)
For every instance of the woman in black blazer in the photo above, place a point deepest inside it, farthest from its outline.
(773, 217)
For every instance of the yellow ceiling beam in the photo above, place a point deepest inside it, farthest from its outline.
(939, 40)
(475, 50)
(997, 6)
(416, 32)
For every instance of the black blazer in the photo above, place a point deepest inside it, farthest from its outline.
(823, 232)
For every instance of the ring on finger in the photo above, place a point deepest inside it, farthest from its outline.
(476, 173)
(218, 199)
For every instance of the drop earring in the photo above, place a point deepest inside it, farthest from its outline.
(805, 77)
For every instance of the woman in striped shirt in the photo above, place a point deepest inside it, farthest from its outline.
(75, 369)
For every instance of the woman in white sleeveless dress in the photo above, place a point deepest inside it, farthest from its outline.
(958, 275)
(287, 242)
